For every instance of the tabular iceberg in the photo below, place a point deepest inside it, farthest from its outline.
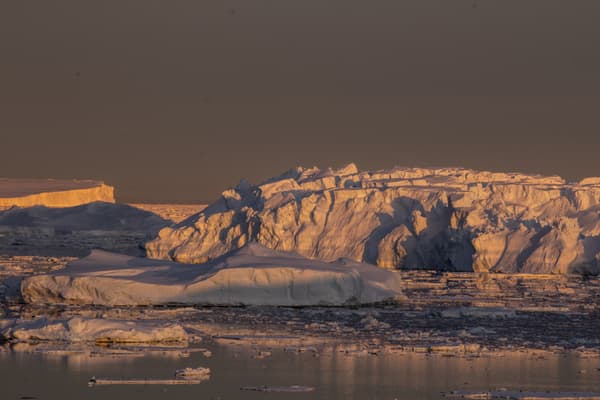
(253, 275)
(52, 192)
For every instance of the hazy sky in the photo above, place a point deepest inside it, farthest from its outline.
(178, 100)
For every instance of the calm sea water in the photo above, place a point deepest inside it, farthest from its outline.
(333, 374)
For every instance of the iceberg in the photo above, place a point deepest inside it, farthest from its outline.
(96, 330)
(449, 219)
(52, 192)
(253, 275)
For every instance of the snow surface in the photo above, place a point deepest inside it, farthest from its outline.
(408, 218)
(253, 275)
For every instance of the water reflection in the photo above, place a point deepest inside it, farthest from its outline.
(63, 373)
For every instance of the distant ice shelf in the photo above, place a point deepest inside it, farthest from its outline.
(52, 192)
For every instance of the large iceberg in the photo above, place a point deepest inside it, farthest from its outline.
(252, 275)
(405, 218)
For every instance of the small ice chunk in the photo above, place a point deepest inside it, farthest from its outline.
(193, 373)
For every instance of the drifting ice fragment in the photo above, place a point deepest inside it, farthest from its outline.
(193, 373)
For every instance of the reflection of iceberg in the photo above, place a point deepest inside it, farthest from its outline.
(92, 357)
(252, 275)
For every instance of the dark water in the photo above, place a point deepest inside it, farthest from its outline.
(333, 374)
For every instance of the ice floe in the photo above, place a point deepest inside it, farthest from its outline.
(96, 330)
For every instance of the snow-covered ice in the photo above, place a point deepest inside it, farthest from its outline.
(253, 275)
(96, 330)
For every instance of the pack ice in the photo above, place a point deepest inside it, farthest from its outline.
(410, 218)
(253, 275)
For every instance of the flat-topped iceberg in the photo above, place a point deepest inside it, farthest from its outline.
(450, 219)
(252, 275)
(52, 192)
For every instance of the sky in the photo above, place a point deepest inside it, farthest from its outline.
(175, 101)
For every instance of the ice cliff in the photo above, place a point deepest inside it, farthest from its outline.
(407, 218)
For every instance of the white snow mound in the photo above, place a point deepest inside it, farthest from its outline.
(253, 275)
